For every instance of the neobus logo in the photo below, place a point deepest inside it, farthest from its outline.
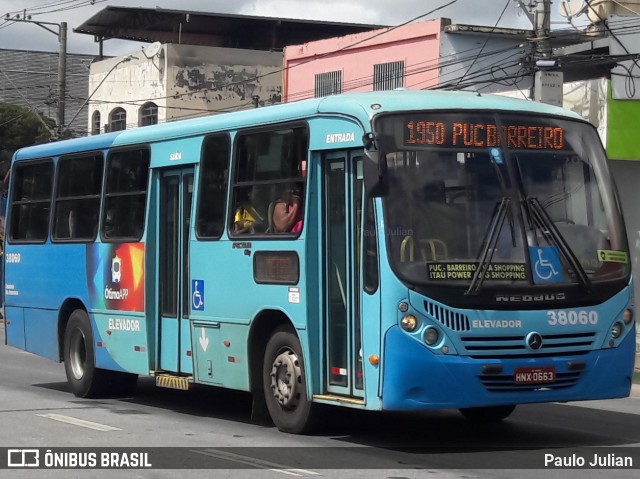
(530, 298)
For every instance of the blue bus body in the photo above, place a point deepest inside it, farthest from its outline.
(377, 329)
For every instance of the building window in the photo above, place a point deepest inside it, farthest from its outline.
(148, 114)
(95, 123)
(329, 83)
(388, 76)
(118, 120)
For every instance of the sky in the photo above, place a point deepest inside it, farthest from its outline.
(29, 36)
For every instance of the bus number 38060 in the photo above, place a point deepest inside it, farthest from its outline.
(13, 257)
(572, 317)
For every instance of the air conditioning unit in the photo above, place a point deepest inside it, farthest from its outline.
(600, 10)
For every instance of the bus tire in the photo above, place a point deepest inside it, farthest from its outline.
(85, 380)
(487, 414)
(285, 386)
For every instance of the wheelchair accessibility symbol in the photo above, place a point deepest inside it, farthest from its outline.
(545, 263)
(197, 295)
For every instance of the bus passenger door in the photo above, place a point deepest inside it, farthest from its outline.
(174, 213)
(343, 194)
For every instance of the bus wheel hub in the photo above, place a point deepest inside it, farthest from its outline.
(286, 379)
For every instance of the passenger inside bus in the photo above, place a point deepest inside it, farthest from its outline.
(288, 211)
(247, 218)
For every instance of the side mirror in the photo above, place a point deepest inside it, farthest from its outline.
(375, 171)
(375, 175)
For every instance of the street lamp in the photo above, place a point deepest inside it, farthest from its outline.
(122, 60)
(62, 61)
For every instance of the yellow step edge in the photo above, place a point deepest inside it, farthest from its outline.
(173, 382)
(329, 397)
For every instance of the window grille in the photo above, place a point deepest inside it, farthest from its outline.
(388, 76)
(329, 83)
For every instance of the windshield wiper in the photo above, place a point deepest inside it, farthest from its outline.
(489, 245)
(544, 223)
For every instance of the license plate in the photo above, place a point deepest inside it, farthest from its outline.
(534, 375)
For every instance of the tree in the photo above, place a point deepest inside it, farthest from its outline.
(20, 127)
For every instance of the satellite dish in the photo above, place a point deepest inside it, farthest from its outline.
(572, 8)
(152, 50)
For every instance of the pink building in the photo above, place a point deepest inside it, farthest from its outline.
(384, 59)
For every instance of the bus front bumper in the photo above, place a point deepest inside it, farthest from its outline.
(416, 379)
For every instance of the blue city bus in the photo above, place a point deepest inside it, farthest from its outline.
(450, 250)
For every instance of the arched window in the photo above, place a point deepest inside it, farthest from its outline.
(148, 114)
(118, 120)
(95, 123)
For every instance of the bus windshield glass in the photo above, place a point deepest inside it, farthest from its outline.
(523, 199)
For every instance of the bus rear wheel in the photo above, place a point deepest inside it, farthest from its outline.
(487, 414)
(85, 380)
(284, 384)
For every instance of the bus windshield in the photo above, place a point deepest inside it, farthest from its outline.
(523, 199)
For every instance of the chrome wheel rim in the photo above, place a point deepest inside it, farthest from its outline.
(286, 379)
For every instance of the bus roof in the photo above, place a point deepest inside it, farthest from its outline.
(361, 106)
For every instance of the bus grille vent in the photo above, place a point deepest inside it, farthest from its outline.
(448, 318)
(515, 346)
(505, 384)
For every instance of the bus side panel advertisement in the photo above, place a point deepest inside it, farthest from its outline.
(115, 276)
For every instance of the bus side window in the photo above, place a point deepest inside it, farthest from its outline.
(77, 198)
(125, 195)
(270, 170)
(31, 201)
(212, 198)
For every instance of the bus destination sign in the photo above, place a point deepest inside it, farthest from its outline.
(461, 134)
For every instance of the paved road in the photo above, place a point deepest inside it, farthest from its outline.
(211, 428)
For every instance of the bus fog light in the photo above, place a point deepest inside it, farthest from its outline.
(431, 336)
(409, 323)
(627, 316)
(616, 330)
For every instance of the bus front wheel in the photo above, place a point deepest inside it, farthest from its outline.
(487, 414)
(85, 380)
(284, 384)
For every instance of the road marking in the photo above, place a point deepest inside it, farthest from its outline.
(80, 422)
(259, 463)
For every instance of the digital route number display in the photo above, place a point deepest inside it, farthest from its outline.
(449, 133)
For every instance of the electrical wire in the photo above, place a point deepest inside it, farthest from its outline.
(485, 41)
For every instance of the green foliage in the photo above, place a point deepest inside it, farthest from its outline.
(20, 127)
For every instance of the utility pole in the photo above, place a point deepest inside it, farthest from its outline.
(547, 85)
(62, 76)
(542, 25)
(62, 62)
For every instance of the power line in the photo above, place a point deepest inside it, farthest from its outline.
(485, 41)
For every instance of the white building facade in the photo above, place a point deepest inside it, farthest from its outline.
(168, 82)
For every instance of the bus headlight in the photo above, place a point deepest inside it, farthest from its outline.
(627, 316)
(617, 329)
(431, 336)
(409, 323)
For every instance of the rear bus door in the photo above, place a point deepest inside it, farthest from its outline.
(174, 213)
